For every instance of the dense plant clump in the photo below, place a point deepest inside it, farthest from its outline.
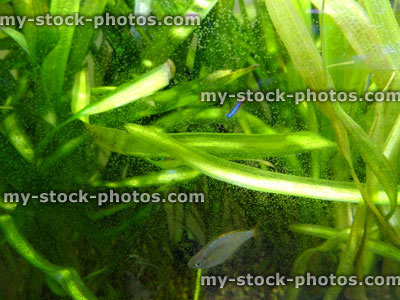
(120, 108)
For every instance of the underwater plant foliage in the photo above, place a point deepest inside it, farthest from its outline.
(289, 187)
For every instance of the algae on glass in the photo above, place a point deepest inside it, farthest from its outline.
(119, 108)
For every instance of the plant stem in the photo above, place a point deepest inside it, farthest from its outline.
(198, 285)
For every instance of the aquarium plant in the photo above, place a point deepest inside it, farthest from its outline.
(309, 186)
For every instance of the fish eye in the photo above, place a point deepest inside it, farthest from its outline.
(198, 264)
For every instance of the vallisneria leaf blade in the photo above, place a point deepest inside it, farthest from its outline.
(68, 278)
(381, 248)
(55, 64)
(19, 138)
(179, 96)
(349, 255)
(81, 94)
(304, 9)
(383, 18)
(354, 22)
(143, 86)
(371, 154)
(298, 41)
(392, 145)
(11, 164)
(83, 35)
(18, 37)
(248, 177)
(293, 33)
(164, 177)
(303, 261)
(39, 39)
(229, 146)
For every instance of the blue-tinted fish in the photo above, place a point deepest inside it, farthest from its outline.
(219, 250)
(235, 109)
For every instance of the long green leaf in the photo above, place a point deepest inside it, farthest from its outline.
(41, 39)
(371, 154)
(381, 248)
(299, 43)
(83, 35)
(81, 94)
(143, 86)
(154, 178)
(55, 64)
(19, 138)
(182, 95)
(383, 19)
(18, 37)
(303, 261)
(248, 177)
(68, 278)
(301, 48)
(362, 35)
(228, 146)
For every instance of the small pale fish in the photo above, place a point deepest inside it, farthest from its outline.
(220, 249)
